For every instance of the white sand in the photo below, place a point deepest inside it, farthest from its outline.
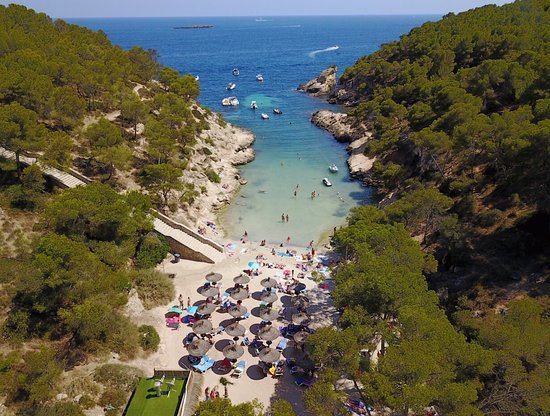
(253, 384)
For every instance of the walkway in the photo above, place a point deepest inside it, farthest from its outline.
(183, 240)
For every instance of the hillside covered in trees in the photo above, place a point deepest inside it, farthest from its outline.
(69, 259)
(461, 106)
(455, 317)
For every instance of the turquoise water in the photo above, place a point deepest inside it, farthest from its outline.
(290, 151)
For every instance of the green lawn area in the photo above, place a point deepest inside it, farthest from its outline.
(146, 403)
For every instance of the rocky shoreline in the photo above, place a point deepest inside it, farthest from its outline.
(221, 149)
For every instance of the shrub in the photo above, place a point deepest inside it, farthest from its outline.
(118, 376)
(148, 338)
(154, 288)
(86, 402)
(115, 398)
(152, 250)
(213, 176)
(60, 409)
(489, 218)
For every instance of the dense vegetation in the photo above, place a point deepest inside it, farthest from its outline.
(462, 105)
(459, 114)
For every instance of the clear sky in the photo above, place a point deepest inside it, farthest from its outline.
(259, 8)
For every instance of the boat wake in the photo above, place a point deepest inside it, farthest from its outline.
(330, 49)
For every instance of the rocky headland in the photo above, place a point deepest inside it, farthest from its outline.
(322, 85)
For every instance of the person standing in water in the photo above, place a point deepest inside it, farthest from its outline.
(286, 217)
(283, 217)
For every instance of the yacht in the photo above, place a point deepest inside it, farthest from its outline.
(277, 111)
(253, 105)
(230, 101)
(236, 72)
(326, 182)
(264, 116)
(231, 86)
(333, 168)
(259, 78)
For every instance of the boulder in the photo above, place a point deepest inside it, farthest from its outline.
(323, 84)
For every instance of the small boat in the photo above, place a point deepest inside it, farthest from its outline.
(333, 168)
(326, 182)
(277, 111)
(231, 86)
(259, 78)
(253, 105)
(236, 72)
(197, 78)
(230, 101)
(264, 116)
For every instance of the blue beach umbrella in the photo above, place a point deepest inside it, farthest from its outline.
(253, 265)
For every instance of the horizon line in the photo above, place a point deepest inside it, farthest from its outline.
(251, 16)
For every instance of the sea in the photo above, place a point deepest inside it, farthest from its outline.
(292, 155)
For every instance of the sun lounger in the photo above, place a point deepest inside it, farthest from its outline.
(192, 310)
(282, 344)
(204, 364)
(239, 370)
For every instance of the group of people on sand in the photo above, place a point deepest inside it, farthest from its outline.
(211, 394)
(180, 299)
(284, 218)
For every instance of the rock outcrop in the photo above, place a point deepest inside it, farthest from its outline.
(323, 84)
(346, 129)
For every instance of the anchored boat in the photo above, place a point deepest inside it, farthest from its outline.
(326, 182)
(333, 168)
(230, 101)
(231, 86)
(264, 116)
(259, 78)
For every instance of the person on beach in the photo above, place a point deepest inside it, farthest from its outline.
(288, 240)
(311, 244)
(295, 193)
(283, 217)
(188, 302)
(286, 217)
(207, 393)
(180, 299)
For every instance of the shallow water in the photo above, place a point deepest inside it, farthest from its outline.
(290, 151)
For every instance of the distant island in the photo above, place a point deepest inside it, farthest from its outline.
(194, 27)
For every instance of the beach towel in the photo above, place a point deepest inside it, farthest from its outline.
(283, 254)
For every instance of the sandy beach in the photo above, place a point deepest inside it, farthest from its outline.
(190, 276)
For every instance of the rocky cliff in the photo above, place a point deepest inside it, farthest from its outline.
(321, 85)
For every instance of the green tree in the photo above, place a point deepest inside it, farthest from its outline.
(19, 130)
(134, 111)
(282, 408)
(58, 150)
(162, 180)
(220, 406)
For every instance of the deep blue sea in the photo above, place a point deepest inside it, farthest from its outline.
(290, 151)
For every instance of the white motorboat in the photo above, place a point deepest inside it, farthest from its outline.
(231, 86)
(253, 105)
(259, 78)
(333, 168)
(197, 78)
(264, 116)
(230, 101)
(277, 111)
(236, 72)
(326, 182)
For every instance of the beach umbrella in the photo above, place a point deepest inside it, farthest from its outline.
(300, 301)
(243, 279)
(301, 336)
(300, 318)
(175, 309)
(213, 277)
(202, 326)
(253, 265)
(232, 352)
(269, 297)
(237, 311)
(269, 355)
(235, 330)
(206, 309)
(209, 291)
(269, 282)
(240, 294)
(299, 288)
(268, 333)
(198, 347)
(269, 314)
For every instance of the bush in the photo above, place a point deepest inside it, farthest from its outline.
(118, 376)
(489, 218)
(149, 338)
(115, 398)
(60, 409)
(154, 288)
(213, 176)
(152, 250)
(86, 402)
